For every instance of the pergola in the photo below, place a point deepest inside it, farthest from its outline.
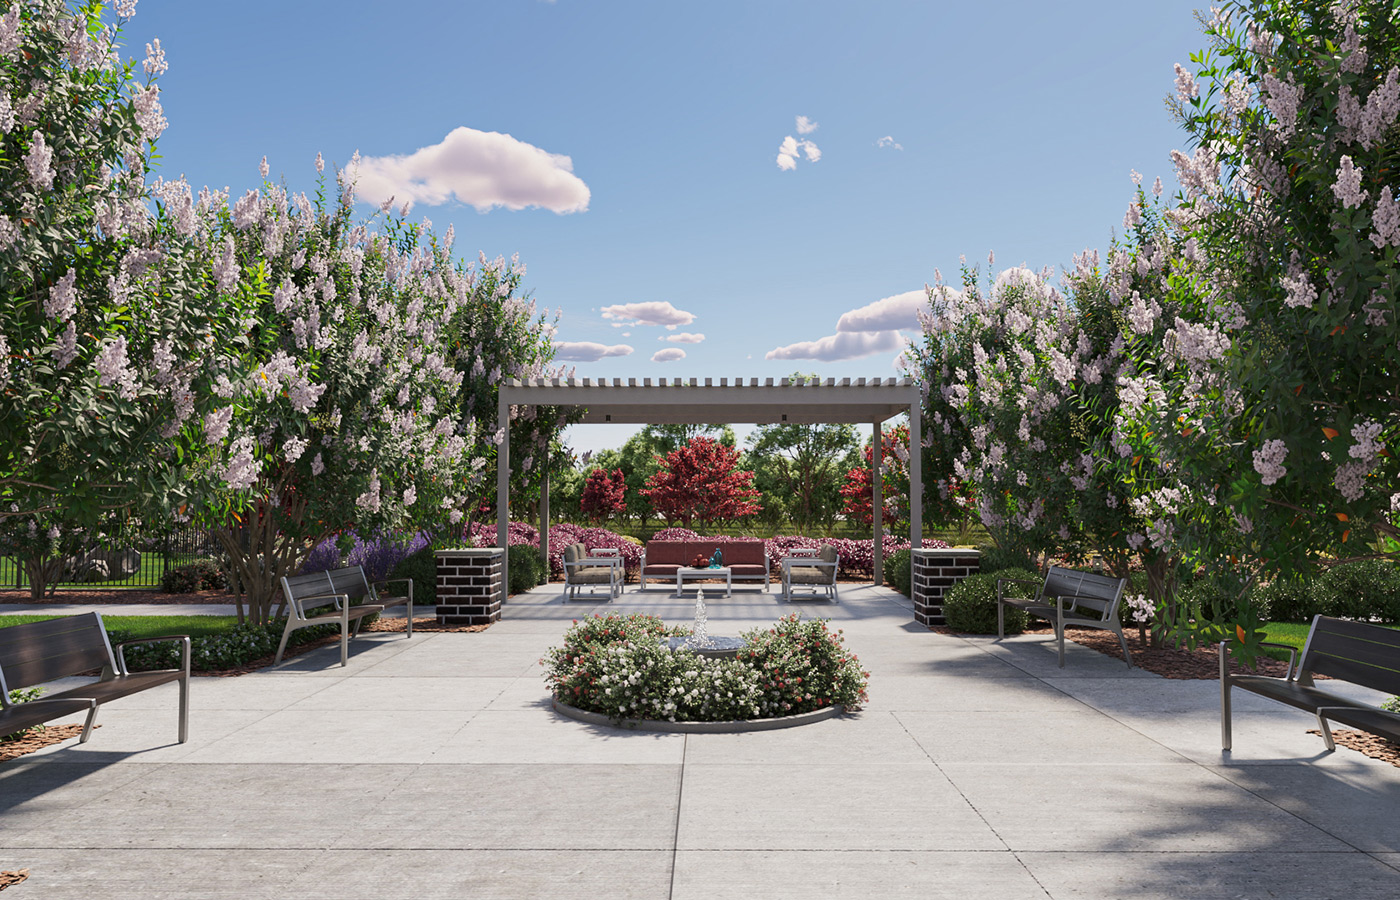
(680, 401)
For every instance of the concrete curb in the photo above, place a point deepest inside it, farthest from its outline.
(663, 726)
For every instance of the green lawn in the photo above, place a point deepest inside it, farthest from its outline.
(146, 626)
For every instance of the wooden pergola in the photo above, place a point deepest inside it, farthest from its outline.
(680, 401)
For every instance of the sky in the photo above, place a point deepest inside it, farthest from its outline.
(740, 189)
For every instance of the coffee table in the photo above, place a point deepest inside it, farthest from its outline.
(686, 572)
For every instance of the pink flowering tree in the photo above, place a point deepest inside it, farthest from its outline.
(110, 333)
(1290, 187)
(352, 402)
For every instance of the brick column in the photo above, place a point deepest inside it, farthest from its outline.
(935, 573)
(469, 586)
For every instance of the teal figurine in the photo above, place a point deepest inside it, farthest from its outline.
(717, 561)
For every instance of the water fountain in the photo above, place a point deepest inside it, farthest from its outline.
(700, 641)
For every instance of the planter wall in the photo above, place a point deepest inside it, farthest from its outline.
(470, 586)
(935, 571)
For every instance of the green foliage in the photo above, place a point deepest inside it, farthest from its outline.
(200, 575)
(805, 465)
(899, 573)
(526, 567)
(23, 695)
(237, 645)
(994, 559)
(1366, 589)
(421, 566)
(1287, 600)
(617, 666)
(971, 606)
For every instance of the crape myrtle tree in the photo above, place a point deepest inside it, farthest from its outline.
(701, 482)
(1289, 185)
(112, 329)
(355, 402)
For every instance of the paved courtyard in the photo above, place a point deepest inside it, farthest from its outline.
(433, 767)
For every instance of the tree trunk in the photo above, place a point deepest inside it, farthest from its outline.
(1161, 589)
(261, 554)
(43, 573)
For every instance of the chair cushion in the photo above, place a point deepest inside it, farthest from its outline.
(570, 554)
(591, 575)
(809, 575)
(828, 554)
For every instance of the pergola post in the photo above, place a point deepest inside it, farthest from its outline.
(916, 476)
(877, 504)
(503, 489)
(544, 512)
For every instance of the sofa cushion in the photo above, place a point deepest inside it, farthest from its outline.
(665, 569)
(748, 571)
(667, 553)
(740, 552)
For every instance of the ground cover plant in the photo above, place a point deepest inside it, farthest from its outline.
(617, 666)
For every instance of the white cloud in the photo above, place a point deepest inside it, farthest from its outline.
(890, 142)
(791, 146)
(890, 314)
(626, 334)
(587, 351)
(806, 125)
(843, 345)
(670, 353)
(652, 312)
(684, 337)
(484, 169)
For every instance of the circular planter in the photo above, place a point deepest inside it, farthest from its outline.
(661, 725)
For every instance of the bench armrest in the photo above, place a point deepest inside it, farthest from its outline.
(184, 640)
(1225, 659)
(9, 705)
(301, 601)
(388, 581)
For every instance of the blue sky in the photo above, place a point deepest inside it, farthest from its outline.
(1010, 126)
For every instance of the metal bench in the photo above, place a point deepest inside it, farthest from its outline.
(324, 598)
(1354, 652)
(39, 652)
(1083, 591)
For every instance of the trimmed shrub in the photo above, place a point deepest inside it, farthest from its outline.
(1365, 590)
(1286, 600)
(200, 575)
(995, 559)
(898, 572)
(526, 568)
(421, 566)
(238, 646)
(971, 606)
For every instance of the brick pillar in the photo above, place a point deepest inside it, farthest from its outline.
(469, 586)
(935, 573)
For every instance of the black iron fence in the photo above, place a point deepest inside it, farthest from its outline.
(135, 562)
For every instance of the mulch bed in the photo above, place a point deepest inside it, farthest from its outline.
(124, 595)
(426, 624)
(1367, 744)
(37, 740)
(7, 879)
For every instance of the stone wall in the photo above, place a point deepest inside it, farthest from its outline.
(935, 573)
(469, 586)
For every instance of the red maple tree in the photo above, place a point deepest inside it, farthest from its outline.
(604, 494)
(701, 481)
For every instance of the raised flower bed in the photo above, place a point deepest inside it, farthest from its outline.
(616, 669)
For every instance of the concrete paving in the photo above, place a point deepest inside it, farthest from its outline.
(433, 767)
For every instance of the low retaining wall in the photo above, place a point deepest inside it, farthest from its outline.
(470, 585)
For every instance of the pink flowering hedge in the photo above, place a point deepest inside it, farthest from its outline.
(483, 534)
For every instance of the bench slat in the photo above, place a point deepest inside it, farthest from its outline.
(38, 652)
(1354, 651)
(307, 585)
(349, 581)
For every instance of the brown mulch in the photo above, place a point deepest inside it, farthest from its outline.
(38, 739)
(1169, 662)
(1365, 744)
(12, 878)
(429, 623)
(124, 595)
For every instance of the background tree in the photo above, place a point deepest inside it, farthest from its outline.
(702, 482)
(856, 487)
(604, 495)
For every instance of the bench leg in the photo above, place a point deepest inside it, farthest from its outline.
(282, 645)
(87, 725)
(410, 610)
(1060, 633)
(1127, 654)
(1224, 700)
(1326, 731)
(1001, 619)
(345, 641)
(184, 709)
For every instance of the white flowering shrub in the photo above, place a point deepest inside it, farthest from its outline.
(1292, 191)
(111, 330)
